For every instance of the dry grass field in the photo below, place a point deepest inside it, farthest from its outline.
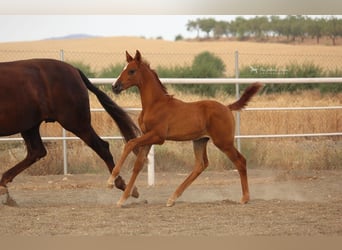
(102, 52)
(312, 153)
(296, 153)
(283, 153)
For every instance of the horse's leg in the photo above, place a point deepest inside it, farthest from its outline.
(146, 139)
(101, 147)
(240, 163)
(77, 120)
(35, 151)
(201, 163)
(138, 165)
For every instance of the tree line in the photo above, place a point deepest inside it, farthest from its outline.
(292, 27)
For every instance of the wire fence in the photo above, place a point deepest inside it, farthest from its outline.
(269, 65)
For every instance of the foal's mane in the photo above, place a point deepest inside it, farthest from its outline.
(155, 76)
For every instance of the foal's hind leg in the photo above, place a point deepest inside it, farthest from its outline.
(201, 163)
(35, 151)
(240, 163)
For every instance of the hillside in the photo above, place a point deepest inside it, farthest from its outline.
(102, 51)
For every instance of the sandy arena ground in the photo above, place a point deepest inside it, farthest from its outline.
(282, 203)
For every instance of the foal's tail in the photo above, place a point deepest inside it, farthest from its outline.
(126, 125)
(246, 96)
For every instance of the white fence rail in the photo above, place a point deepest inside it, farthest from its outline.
(314, 80)
(236, 81)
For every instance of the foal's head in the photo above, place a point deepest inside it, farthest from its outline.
(132, 75)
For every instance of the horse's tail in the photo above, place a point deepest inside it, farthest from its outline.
(126, 125)
(246, 96)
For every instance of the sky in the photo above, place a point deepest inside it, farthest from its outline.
(37, 27)
(28, 20)
(16, 28)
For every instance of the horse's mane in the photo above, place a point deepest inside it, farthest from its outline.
(156, 76)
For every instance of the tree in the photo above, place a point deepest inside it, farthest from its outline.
(316, 28)
(275, 25)
(179, 37)
(193, 26)
(334, 28)
(240, 27)
(207, 25)
(287, 28)
(292, 26)
(221, 28)
(85, 68)
(258, 26)
(206, 64)
(299, 27)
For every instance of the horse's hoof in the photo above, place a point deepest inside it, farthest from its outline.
(120, 183)
(170, 203)
(3, 190)
(10, 202)
(135, 192)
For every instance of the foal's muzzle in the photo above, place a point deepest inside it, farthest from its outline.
(117, 87)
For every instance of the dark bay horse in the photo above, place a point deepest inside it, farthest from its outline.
(164, 117)
(45, 90)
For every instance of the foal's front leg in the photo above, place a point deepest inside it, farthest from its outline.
(130, 145)
(138, 165)
(145, 141)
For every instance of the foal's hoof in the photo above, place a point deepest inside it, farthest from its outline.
(119, 204)
(3, 190)
(170, 203)
(244, 200)
(110, 184)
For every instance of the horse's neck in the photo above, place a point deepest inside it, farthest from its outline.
(151, 91)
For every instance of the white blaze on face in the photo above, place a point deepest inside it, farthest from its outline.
(120, 74)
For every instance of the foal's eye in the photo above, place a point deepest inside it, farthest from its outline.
(131, 71)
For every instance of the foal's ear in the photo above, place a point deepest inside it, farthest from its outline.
(128, 57)
(137, 56)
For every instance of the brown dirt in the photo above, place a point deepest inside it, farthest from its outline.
(283, 203)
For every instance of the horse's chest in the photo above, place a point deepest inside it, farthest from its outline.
(146, 125)
(148, 121)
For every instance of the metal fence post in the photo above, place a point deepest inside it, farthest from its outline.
(237, 91)
(150, 167)
(65, 155)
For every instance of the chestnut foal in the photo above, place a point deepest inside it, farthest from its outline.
(164, 117)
